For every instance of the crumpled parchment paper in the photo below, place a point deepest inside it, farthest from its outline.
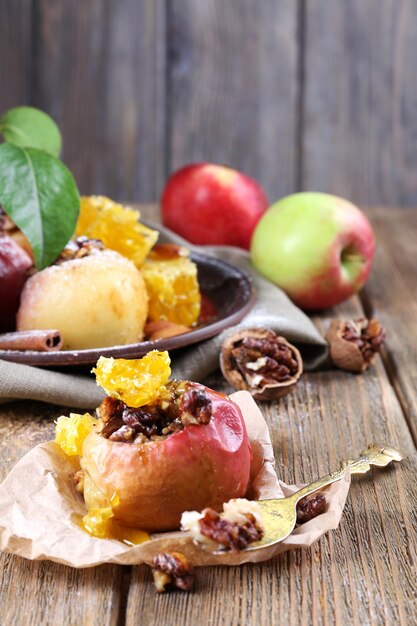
(39, 507)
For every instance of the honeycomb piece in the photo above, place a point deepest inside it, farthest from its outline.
(71, 431)
(171, 281)
(134, 381)
(117, 226)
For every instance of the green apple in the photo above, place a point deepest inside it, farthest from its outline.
(317, 247)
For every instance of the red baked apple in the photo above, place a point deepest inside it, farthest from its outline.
(213, 204)
(14, 265)
(163, 459)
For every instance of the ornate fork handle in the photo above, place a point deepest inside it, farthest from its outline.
(374, 455)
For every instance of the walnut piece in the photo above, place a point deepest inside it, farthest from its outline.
(239, 525)
(181, 404)
(354, 344)
(172, 570)
(233, 536)
(261, 362)
(79, 248)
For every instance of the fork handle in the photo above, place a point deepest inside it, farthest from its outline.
(374, 455)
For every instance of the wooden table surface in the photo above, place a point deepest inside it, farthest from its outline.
(362, 573)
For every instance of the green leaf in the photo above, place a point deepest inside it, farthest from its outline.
(31, 128)
(39, 194)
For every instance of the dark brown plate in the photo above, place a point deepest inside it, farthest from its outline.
(227, 288)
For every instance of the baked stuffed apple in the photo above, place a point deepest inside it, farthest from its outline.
(93, 296)
(156, 448)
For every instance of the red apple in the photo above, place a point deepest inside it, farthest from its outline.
(14, 265)
(200, 466)
(213, 204)
(317, 247)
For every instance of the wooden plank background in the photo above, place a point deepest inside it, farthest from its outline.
(362, 574)
(300, 94)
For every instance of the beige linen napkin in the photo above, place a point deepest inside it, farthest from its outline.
(272, 309)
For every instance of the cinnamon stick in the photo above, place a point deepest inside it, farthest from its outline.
(37, 340)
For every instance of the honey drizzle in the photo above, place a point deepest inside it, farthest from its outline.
(126, 534)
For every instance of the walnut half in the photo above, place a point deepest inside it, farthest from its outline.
(261, 362)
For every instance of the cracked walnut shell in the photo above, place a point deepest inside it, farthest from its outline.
(261, 362)
(354, 344)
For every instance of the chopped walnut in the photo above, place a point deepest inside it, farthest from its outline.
(181, 404)
(196, 407)
(234, 536)
(79, 248)
(310, 507)
(239, 525)
(172, 570)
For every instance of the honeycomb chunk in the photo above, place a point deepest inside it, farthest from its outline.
(172, 284)
(135, 382)
(71, 431)
(117, 226)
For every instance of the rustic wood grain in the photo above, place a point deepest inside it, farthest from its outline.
(43, 593)
(351, 576)
(301, 95)
(392, 295)
(232, 87)
(358, 100)
(100, 71)
(16, 75)
(363, 573)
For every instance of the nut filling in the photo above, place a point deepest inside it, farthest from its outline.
(180, 405)
(262, 362)
(79, 248)
(172, 570)
(234, 536)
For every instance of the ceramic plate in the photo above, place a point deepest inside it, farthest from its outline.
(227, 297)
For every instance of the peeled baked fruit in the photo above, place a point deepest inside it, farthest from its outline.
(172, 284)
(118, 227)
(188, 450)
(94, 301)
